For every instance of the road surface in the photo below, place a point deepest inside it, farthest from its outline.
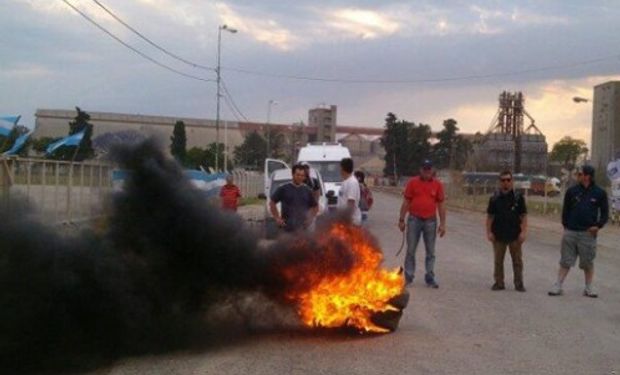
(462, 327)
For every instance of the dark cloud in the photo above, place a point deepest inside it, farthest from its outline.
(89, 69)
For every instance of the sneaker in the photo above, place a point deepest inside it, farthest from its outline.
(588, 292)
(556, 290)
(519, 288)
(497, 286)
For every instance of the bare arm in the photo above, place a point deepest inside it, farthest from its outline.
(523, 233)
(404, 207)
(490, 234)
(441, 207)
(274, 212)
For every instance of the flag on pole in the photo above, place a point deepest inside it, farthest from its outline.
(7, 123)
(72, 140)
(19, 143)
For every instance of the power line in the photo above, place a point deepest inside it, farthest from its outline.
(140, 53)
(427, 80)
(231, 109)
(149, 41)
(227, 94)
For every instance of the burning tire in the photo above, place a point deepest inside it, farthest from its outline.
(390, 319)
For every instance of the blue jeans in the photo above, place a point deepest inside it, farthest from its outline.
(427, 228)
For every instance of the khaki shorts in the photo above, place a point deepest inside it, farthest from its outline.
(578, 244)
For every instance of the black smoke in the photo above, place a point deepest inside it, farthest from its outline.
(147, 280)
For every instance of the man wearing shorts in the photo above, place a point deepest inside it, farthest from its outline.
(584, 213)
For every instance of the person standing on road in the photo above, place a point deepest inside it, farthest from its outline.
(297, 203)
(584, 213)
(422, 199)
(230, 194)
(366, 199)
(349, 194)
(507, 228)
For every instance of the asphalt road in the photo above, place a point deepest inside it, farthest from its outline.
(462, 327)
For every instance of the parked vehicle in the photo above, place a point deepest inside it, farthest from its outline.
(325, 157)
(541, 185)
(536, 185)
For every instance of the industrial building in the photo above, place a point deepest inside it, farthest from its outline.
(322, 126)
(508, 144)
(605, 124)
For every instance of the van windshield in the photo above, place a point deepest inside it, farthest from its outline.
(329, 170)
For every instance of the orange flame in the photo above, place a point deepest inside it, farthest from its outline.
(350, 298)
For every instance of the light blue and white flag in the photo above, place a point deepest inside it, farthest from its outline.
(72, 140)
(19, 143)
(7, 123)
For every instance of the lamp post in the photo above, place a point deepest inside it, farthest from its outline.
(268, 136)
(219, 79)
(578, 99)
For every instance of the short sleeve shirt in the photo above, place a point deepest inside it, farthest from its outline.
(296, 201)
(350, 190)
(423, 196)
(507, 210)
(230, 197)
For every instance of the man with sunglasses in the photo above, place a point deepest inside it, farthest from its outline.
(584, 213)
(507, 228)
(423, 199)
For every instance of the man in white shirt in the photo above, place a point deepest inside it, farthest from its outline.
(349, 195)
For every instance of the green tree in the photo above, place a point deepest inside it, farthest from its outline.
(452, 149)
(197, 157)
(252, 152)
(178, 145)
(277, 143)
(567, 150)
(406, 146)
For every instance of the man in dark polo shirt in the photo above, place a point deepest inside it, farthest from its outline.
(506, 228)
(298, 204)
(423, 199)
(584, 213)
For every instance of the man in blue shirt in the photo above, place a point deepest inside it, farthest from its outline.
(298, 205)
(584, 213)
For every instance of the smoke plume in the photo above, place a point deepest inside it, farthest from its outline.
(152, 278)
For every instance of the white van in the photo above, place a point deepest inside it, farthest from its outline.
(325, 157)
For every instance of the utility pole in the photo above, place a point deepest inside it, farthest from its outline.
(219, 80)
(267, 132)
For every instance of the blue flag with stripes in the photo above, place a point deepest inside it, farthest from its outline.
(19, 143)
(72, 140)
(7, 123)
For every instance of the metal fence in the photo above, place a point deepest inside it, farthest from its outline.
(476, 197)
(250, 183)
(59, 191)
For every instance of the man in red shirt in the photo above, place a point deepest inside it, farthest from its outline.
(230, 194)
(422, 199)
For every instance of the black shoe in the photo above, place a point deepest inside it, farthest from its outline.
(497, 286)
(519, 288)
(433, 284)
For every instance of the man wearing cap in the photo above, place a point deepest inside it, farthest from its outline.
(422, 199)
(584, 213)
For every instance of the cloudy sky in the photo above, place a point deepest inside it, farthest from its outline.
(423, 60)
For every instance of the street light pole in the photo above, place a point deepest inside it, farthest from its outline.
(268, 136)
(219, 79)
